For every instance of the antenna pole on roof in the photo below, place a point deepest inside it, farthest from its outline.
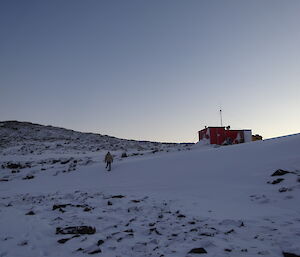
(221, 117)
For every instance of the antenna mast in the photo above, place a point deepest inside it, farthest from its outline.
(221, 117)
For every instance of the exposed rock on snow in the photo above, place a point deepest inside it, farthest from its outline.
(280, 172)
(198, 250)
(76, 230)
(286, 254)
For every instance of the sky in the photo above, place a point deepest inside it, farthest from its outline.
(151, 70)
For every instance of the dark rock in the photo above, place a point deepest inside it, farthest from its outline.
(154, 230)
(63, 240)
(76, 230)
(198, 250)
(277, 181)
(181, 216)
(207, 234)
(227, 250)
(15, 171)
(30, 213)
(95, 251)
(28, 177)
(283, 189)
(109, 203)
(4, 180)
(86, 209)
(280, 172)
(287, 254)
(64, 162)
(128, 231)
(242, 224)
(135, 201)
(58, 206)
(100, 242)
(78, 205)
(14, 166)
(229, 232)
(124, 155)
(118, 196)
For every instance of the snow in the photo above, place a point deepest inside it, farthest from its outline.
(161, 204)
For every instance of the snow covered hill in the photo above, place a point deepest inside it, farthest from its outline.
(240, 200)
(22, 138)
(27, 149)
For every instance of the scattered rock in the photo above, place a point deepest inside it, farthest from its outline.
(28, 177)
(276, 181)
(14, 166)
(95, 251)
(135, 201)
(118, 196)
(207, 234)
(229, 232)
(30, 213)
(280, 172)
(100, 242)
(283, 189)
(154, 230)
(63, 240)
(59, 206)
(287, 254)
(128, 231)
(65, 162)
(198, 251)
(24, 242)
(76, 230)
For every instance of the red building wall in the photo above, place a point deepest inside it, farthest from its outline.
(219, 135)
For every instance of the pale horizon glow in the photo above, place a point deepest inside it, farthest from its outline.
(151, 70)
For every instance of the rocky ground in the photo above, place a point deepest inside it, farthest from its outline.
(83, 223)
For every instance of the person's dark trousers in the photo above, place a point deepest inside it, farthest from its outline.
(108, 164)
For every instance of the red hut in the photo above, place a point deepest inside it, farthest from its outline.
(224, 136)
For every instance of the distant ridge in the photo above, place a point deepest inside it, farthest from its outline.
(27, 137)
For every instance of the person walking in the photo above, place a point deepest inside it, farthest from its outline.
(108, 159)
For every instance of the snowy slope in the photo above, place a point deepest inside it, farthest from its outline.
(22, 138)
(222, 201)
(27, 149)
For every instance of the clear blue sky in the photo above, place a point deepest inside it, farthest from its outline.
(151, 70)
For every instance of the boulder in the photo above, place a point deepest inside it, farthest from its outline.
(76, 230)
(287, 254)
(198, 250)
(280, 172)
